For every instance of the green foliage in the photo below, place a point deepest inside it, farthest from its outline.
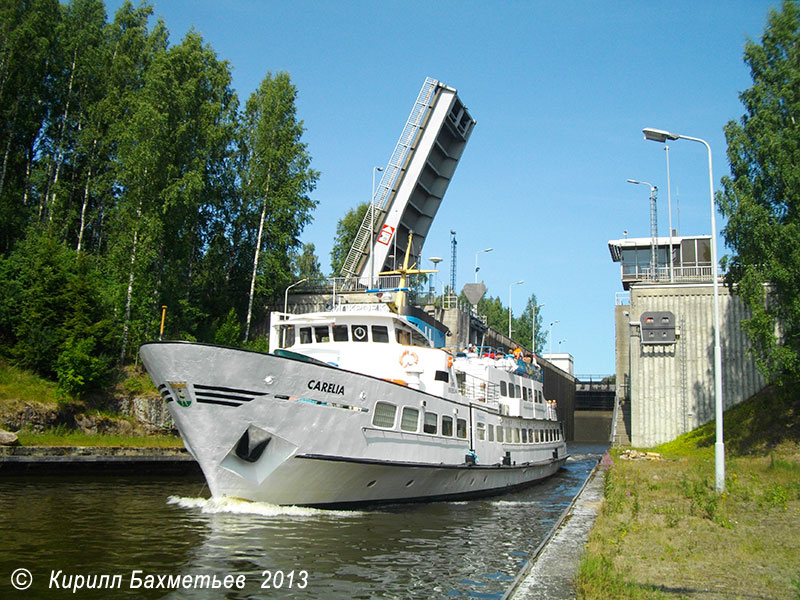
(761, 198)
(132, 180)
(346, 230)
(230, 332)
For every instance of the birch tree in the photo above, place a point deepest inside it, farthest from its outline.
(276, 180)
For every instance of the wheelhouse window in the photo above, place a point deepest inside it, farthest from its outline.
(431, 422)
(461, 428)
(516, 435)
(447, 425)
(287, 336)
(499, 433)
(410, 419)
(340, 333)
(322, 334)
(360, 333)
(491, 433)
(305, 335)
(481, 431)
(380, 333)
(503, 388)
(384, 414)
(524, 436)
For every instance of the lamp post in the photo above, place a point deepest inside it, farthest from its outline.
(372, 226)
(551, 334)
(561, 342)
(435, 260)
(286, 293)
(653, 226)
(521, 281)
(534, 308)
(476, 261)
(669, 209)
(658, 135)
(286, 305)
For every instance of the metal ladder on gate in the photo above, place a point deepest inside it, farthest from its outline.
(365, 234)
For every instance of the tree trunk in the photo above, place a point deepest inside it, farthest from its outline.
(255, 270)
(127, 322)
(85, 199)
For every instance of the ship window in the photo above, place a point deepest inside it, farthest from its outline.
(461, 428)
(305, 335)
(442, 376)
(491, 433)
(360, 333)
(418, 340)
(524, 436)
(499, 433)
(384, 414)
(524, 393)
(516, 435)
(380, 333)
(481, 431)
(508, 434)
(287, 334)
(530, 435)
(431, 420)
(447, 425)
(503, 388)
(410, 419)
(340, 333)
(322, 334)
(512, 391)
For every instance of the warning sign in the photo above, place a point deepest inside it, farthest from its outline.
(385, 235)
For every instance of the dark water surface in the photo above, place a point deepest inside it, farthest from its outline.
(167, 526)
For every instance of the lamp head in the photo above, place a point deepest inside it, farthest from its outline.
(658, 135)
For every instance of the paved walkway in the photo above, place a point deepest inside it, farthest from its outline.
(552, 575)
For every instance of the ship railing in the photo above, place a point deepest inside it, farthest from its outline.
(480, 390)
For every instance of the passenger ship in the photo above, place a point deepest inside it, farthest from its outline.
(355, 406)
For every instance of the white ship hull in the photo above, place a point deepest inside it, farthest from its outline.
(294, 431)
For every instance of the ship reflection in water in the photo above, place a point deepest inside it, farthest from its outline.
(160, 526)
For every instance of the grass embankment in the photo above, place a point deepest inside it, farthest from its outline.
(663, 532)
(21, 391)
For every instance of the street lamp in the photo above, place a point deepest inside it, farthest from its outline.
(551, 334)
(534, 308)
(669, 209)
(286, 293)
(659, 135)
(521, 281)
(372, 226)
(286, 305)
(561, 342)
(476, 261)
(435, 260)
(653, 225)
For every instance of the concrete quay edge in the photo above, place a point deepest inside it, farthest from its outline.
(550, 574)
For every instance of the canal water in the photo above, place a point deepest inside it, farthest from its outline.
(69, 532)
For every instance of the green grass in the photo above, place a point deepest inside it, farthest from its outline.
(17, 385)
(663, 532)
(61, 436)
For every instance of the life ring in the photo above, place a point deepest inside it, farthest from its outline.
(408, 359)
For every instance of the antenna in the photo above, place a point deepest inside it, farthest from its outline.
(453, 246)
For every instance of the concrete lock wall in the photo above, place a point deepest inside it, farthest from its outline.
(672, 385)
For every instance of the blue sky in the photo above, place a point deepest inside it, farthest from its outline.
(560, 92)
